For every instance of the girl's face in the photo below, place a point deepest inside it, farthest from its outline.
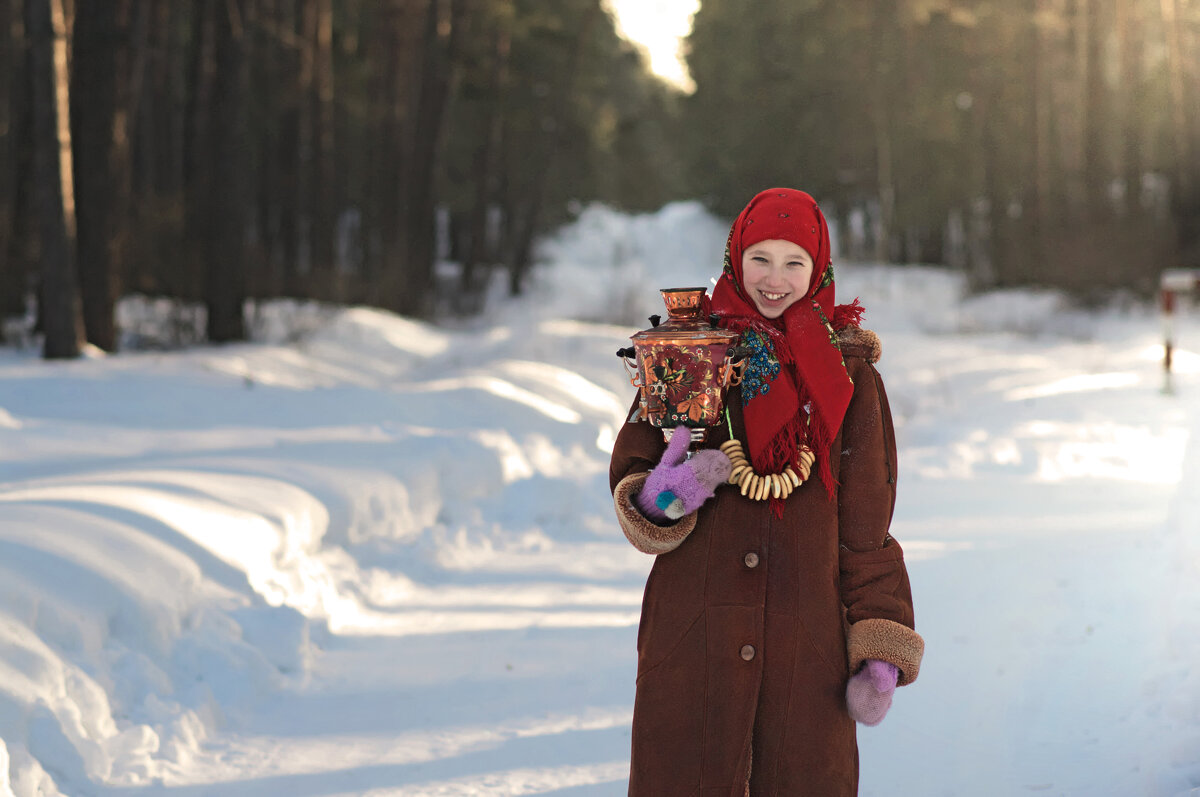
(776, 274)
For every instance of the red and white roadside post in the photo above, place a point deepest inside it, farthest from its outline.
(1173, 282)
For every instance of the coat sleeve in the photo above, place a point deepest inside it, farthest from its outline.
(638, 448)
(873, 578)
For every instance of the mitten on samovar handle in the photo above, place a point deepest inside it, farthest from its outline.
(678, 486)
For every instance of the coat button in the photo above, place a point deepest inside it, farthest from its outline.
(747, 652)
(751, 559)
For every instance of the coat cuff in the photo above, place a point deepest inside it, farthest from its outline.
(647, 536)
(888, 641)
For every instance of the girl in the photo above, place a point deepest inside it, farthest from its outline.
(770, 626)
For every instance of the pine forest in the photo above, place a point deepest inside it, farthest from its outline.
(219, 152)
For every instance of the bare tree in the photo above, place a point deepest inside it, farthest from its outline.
(883, 63)
(1037, 163)
(221, 172)
(1131, 48)
(323, 208)
(12, 55)
(54, 204)
(473, 278)
(394, 50)
(107, 39)
(443, 24)
(1096, 105)
(1181, 104)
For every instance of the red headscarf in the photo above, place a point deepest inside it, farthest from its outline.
(796, 387)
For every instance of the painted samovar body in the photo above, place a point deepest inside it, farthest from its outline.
(683, 366)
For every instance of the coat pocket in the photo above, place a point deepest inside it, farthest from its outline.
(825, 639)
(661, 643)
(672, 602)
(666, 620)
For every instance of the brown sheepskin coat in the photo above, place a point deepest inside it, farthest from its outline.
(751, 624)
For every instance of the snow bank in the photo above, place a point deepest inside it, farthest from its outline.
(174, 549)
(125, 637)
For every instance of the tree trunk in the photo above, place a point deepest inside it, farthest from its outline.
(53, 202)
(1074, 141)
(1038, 161)
(321, 183)
(478, 253)
(395, 49)
(21, 252)
(1096, 113)
(525, 226)
(306, 266)
(441, 34)
(1173, 29)
(285, 161)
(103, 85)
(884, 24)
(225, 177)
(995, 269)
(12, 77)
(159, 84)
(1131, 33)
(197, 133)
(1186, 135)
(156, 147)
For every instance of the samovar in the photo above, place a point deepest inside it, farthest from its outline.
(683, 366)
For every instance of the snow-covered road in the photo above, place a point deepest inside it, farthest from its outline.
(383, 561)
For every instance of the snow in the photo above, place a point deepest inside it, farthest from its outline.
(367, 555)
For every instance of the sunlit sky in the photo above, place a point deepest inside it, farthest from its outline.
(659, 26)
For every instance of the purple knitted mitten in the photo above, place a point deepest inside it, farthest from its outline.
(869, 692)
(678, 486)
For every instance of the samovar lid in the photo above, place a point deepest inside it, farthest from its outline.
(685, 320)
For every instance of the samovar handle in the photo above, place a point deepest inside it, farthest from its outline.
(734, 366)
(628, 355)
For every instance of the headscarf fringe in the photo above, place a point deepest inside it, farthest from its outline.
(848, 315)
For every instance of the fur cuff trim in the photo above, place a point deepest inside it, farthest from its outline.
(887, 641)
(859, 342)
(647, 536)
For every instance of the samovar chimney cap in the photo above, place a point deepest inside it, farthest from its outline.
(683, 303)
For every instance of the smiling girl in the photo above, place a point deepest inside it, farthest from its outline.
(776, 273)
(771, 622)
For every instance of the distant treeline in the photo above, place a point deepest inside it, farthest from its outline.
(219, 151)
(224, 150)
(1028, 141)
